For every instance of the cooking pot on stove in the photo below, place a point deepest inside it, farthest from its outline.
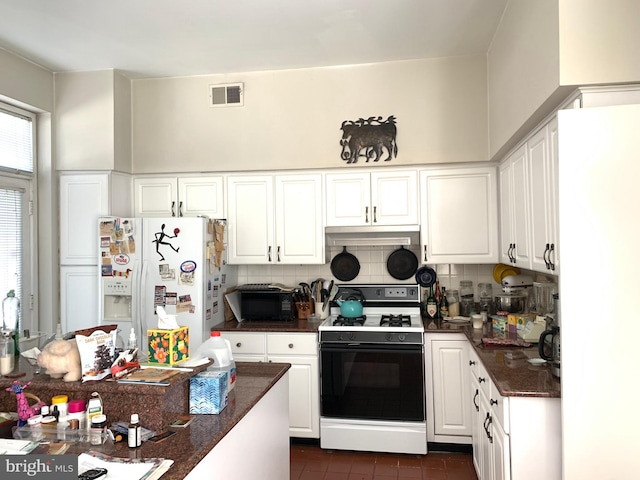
(351, 307)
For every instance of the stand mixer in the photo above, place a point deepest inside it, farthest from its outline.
(515, 294)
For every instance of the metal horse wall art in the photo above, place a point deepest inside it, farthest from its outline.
(369, 138)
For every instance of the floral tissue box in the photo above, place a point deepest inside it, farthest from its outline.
(168, 346)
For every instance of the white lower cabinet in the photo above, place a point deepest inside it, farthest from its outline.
(447, 373)
(301, 351)
(513, 437)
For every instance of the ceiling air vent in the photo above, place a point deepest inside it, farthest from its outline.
(226, 95)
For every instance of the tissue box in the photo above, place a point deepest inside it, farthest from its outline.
(168, 346)
(499, 323)
(208, 392)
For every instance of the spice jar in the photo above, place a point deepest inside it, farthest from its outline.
(98, 427)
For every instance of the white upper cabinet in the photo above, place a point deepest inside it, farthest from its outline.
(529, 206)
(83, 198)
(275, 219)
(376, 198)
(543, 175)
(179, 196)
(514, 218)
(459, 215)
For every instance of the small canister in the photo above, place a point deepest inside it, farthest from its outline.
(77, 411)
(62, 403)
(98, 427)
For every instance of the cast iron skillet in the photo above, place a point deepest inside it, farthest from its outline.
(345, 266)
(426, 276)
(402, 263)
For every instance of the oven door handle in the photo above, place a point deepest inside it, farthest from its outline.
(370, 347)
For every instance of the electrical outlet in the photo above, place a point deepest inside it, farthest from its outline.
(395, 292)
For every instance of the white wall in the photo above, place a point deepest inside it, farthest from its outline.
(523, 67)
(30, 86)
(599, 41)
(291, 119)
(84, 120)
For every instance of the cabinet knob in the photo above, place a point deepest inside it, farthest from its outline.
(493, 402)
(291, 345)
(472, 362)
(239, 344)
(481, 379)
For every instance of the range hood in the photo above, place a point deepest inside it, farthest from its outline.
(373, 235)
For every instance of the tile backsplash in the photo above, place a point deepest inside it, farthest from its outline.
(373, 269)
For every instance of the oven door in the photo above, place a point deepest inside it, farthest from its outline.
(372, 382)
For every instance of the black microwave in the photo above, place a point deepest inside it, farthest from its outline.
(266, 302)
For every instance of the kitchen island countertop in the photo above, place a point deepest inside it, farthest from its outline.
(191, 444)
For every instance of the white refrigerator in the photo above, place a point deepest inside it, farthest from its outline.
(178, 263)
(599, 203)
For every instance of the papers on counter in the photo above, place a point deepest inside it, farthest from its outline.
(120, 468)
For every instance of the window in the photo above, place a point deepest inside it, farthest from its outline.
(17, 247)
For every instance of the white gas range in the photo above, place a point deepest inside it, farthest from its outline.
(372, 372)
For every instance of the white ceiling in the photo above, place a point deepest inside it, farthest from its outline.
(159, 38)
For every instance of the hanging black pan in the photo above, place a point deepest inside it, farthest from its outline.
(345, 266)
(402, 264)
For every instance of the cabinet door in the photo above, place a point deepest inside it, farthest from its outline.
(506, 215)
(486, 440)
(542, 177)
(251, 219)
(501, 453)
(201, 196)
(304, 395)
(348, 199)
(156, 197)
(299, 219)
(450, 366)
(459, 215)
(520, 219)
(83, 198)
(78, 297)
(394, 198)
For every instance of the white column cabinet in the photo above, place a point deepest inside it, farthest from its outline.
(375, 198)
(301, 351)
(459, 215)
(83, 198)
(448, 384)
(179, 196)
(275, 219)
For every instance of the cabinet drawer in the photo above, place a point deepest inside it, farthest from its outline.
(246, 343)
(482, 377)
(292, 344)
(499, 407)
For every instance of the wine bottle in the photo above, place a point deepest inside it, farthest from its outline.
(438, 296)
(444, 304)
(432, 305)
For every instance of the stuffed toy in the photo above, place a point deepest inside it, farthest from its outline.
(61, 359)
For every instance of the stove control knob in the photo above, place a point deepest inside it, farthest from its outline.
(389, 337)
(402, 337)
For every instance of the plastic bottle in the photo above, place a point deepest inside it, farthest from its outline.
(78, 412)
(94, 407)
(7, 355)
(11, 317)
(219, 350)
(133, 343)
(134, 431)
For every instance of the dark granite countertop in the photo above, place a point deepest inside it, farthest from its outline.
(191, 444)
(508, 367)
(294, 326)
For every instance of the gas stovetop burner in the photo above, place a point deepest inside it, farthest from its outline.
(350, 321)
(395, 320)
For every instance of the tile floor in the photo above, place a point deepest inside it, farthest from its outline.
(309, 462)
